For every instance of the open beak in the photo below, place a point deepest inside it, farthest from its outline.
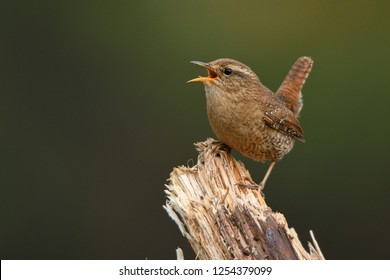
(212, 74)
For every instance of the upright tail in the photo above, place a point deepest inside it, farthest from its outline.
(290, 90)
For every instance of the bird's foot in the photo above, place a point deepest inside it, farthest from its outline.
(248, 183)
(220, 146)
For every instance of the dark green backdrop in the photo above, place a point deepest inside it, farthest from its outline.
(95, 113)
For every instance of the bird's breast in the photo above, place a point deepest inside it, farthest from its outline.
(240, 125)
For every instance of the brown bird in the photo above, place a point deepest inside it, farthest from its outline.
(249, 117)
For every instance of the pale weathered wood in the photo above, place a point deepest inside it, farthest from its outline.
(222, 219)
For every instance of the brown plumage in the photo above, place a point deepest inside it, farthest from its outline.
(249, 117)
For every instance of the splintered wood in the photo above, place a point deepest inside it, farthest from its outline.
(224, 220)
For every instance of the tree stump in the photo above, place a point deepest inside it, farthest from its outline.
(224, 220)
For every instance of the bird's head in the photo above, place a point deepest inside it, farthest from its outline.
(227, 74)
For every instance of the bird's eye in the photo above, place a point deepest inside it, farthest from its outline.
(227, 71)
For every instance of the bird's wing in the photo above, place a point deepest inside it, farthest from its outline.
(283, 120)
(289, 91)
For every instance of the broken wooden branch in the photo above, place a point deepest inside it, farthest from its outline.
(224, 220)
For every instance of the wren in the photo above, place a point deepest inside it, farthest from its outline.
(247, 116)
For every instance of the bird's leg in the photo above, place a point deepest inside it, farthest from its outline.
(262, 183)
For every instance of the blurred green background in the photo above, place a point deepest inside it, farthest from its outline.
(95, 113)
